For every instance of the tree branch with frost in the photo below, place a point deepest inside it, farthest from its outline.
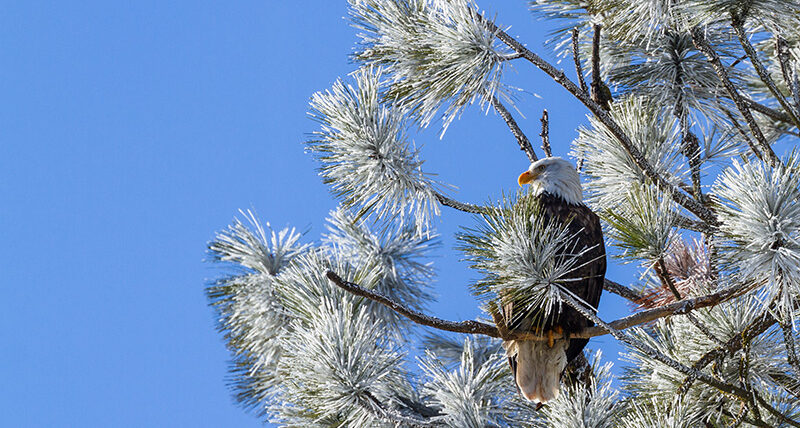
(477, 327)
(769, 112)
(702, 44)
(600, 93)
(461, 206)
(522, 140)
(737, 23)
(790, 76)
(559, 77)
(659, 356)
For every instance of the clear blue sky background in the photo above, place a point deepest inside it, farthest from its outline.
(129, 133)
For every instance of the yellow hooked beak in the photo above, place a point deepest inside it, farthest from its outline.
(527, 177)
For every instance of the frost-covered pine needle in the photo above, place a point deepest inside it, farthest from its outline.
(395, 254)
(610, 168)
(582, 405)
(338, 363)
(440, 53)
(365, 155)
(760, 214)
(473, 394)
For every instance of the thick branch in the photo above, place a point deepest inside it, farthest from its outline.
(461, 206)
(522, 140)
(559, 77)
(545, 134)
(477, 327)
(702, 44)
(471, 327)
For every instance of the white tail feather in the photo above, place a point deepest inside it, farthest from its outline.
(539, 368)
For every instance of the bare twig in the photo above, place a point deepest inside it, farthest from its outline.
(600, 93)
(522, 140)
(577, 57)
(697, 226)
(736, 22)
(559, 77)
(461, 206)
(477, 327)
(661, 270)
(702, 44)
(545, 134)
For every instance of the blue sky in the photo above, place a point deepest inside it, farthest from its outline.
(130, 133)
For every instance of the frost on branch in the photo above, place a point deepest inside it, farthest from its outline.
(438, 52)
(365, 155)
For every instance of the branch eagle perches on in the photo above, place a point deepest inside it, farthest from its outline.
(476, 327)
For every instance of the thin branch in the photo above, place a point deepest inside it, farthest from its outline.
(599, 94)
(788, 342)
(545, 134)
(522, 140)
(477, 327)
(461, 206)
(736, 22)
(576, 56)
(702, 44)
(559, 77)
(697, 226)
(622, 291)
(774, 114)
(661, 271)
(789, 75)
(756, 151)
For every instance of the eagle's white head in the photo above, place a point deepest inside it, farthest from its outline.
(556, 176)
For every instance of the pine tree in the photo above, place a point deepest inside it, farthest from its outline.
(686, 99)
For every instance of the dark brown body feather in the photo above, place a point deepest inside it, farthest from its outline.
(584, 226)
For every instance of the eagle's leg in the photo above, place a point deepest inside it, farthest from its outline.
(550, 333)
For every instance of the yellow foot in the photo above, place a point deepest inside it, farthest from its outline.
(550, 333)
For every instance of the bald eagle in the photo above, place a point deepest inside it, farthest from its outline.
(537, 366)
